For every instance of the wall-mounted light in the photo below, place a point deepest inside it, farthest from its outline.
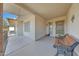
(72, 19)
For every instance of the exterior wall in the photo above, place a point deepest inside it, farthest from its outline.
(30, 34)
(37, 27)
(53, 20)
(73, 27)
(40, 27)
(19, 28)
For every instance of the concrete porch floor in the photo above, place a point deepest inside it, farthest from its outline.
(24, 46)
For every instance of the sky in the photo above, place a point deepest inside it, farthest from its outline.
(8, 15)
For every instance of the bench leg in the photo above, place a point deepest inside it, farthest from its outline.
(71, 53)
(56, 54)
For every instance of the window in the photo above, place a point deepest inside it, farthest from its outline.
(27, 27)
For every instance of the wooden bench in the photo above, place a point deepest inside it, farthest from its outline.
(65, 45)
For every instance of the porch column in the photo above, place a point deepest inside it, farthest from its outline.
(1, 29)
(54, 28)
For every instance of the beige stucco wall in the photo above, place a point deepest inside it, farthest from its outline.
(40, 27)
(37, 27)
(30, 34)
(73, 27)
(19, 30)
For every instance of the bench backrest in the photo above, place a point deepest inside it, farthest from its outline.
(69, 40)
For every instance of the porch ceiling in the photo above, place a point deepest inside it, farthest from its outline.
(47, 10)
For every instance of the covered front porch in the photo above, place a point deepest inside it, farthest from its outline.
(34, 34)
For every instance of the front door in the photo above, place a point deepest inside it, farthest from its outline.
(60, 28)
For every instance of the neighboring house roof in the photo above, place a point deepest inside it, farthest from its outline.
(11, 22)
(7, 16)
